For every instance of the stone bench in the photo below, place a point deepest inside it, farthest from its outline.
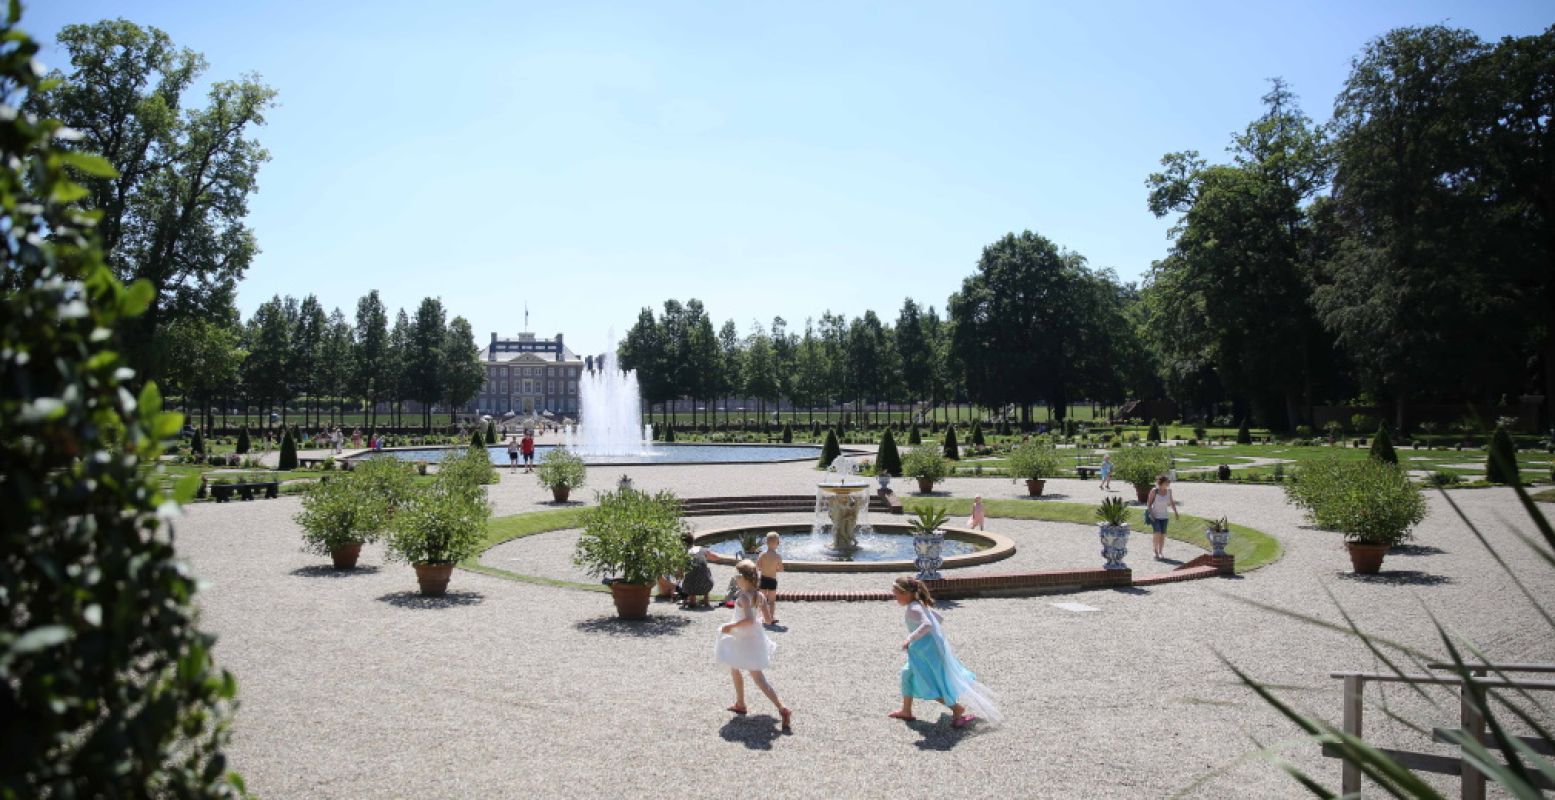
(222, 492)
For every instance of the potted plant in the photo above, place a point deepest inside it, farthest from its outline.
(1375, 505)
(1035, 462)
(443, 523)
(630, 539)
(928, 540)
(1112, 516)
(1140, 466)
(1218, 533)
(561, 471)
(927, 464)
(337, 518)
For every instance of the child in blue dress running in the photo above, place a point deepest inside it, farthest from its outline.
(932, 671)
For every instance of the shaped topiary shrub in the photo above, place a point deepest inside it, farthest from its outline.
(1382, 446)
(107, 686)
(888, 460)
(788, 434)
(1501, 467)
(952, 450)
(830, 450)
(1243, 435)
(477, 441)
(288, 451)
(197, 445)
(914, 436)
(243, 443)
(1154, 434)
(491, 432)
(977, 434)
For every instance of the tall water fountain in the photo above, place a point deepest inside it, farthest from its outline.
(842, 507)
(609, 413)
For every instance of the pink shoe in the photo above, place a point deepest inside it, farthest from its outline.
(963, 721)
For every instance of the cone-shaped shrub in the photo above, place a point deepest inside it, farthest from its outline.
(491, 432)
(1243, 435)
(977, 434)
(788, 434)
(1155, 432)
(914, 437)
(1502, 467)
(1382, 446)
(888, 461)
(669, 433)
(288, 451)
(243, 442)
(198, 445)
(477, 441)
(830, 450)
(952, 450)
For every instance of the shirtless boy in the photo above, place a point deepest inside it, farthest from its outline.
(769, 564)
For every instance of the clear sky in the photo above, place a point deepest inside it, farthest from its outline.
(767, 158)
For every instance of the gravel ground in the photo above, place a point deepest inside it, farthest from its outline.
(354, 686)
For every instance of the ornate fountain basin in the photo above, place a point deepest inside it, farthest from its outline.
(995, 547)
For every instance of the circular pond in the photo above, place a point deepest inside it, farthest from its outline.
(659, 454)
(887, 548)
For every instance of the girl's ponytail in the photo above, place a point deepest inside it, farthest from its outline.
(917, 589)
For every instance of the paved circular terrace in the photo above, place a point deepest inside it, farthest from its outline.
(354, 686)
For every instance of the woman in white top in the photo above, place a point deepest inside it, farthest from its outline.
(1156, 507)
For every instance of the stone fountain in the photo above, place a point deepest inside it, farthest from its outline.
(842, 506)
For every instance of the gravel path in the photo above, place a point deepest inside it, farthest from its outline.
(354, 686)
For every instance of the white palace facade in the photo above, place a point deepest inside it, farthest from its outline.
(527, 376)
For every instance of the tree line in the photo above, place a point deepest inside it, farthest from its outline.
(1402, 253)
(290, 351)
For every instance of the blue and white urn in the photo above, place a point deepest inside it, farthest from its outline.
(928, 547)
(1217, 540)
(1114, 545)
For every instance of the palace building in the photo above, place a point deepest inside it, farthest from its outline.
(526, 376)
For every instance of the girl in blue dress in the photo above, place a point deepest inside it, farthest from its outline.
(932, 671)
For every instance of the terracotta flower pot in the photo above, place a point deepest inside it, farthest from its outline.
(1142, 492)
(345, 555)
(1366, 558)
(666, 588)
(1035, 486)
(925, 485)
(433, 578)
(631, 599)
(560, 493)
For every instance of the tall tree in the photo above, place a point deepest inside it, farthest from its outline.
(369, 354)
(702, 357)
(915, 351)
(731, 363)
(204, 359)
(174, 212)
(643, 350)
(307, 342)
(335, 362)
(424, 357)
(268, 363)
(760, 373)
(396, 366)
(463, 373)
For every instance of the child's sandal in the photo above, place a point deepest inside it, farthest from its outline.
(736, 709)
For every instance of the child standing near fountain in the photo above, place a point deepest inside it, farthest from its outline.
(743, 644)
(769, 563)
(978, 514)
(932, 671)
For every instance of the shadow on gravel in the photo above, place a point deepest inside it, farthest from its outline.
(1048, 496)
(938, 735)
(327, 571)
(1398, 577)
(655, 625)
(419, 601)
(1416, 550)
(931, 494)
(1136, 590)
(755, 731)
(554, 504)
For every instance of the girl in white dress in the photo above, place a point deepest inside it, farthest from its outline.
(743, 644)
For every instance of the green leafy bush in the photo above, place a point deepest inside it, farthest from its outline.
(1033, 461)
(469, 465)
(561, 468)
(914, 436)
(244, 444)
(477, 441)
(1112, 512)
(632, 536)
(197, 445)
(928, 518)
(889, 460)
(1154, 434)
(288, 458)
(1369, 501)
(952, 451)
(1382, 446)
(976, 437)
(384, 481)
(1501, 467)
(830, 450)
(1140, 465)
(107, 686)
(491, 432)
(925, 462)
(336, 513)
(444, 522)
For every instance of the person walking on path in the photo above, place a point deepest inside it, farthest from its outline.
(527, 447)
(932, 671)
(512, 455)
(1157, 505)
(769, 563)
(1106, 472)
(743, 645)
(979, 515)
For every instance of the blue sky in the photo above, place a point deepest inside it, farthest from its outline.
(769, 159)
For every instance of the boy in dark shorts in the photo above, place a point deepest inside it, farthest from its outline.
(769, 564)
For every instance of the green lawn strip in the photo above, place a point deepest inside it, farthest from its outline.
(1253, 548)
(1546, 496)
(506, 529)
